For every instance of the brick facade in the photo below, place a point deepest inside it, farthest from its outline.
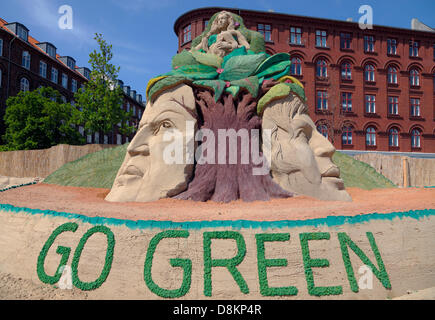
(334, 54)
(12, 71)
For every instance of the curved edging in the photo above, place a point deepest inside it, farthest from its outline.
(235, 224)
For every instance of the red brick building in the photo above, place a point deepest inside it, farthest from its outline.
(26, 64)
(370, 89)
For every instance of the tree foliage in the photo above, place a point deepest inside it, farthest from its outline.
(100, 100)
(39, 119)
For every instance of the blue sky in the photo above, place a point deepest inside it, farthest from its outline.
(141, 31)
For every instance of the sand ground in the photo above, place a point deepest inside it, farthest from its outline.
(90, 202)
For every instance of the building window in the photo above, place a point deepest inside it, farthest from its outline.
(415, 138)
(1, 47)
(323, 130)
(118, 139)
(71, 64)
(370, 103)
(321, 68)
(128, 106)
(205, 24)
(296, 66)
(415, 107)
(22, 33)
(54, 75)
(392, 46)
(24, 85)
(369, 43)
(392, 75)
(187, 33)
(42, 69)
(295, 35)
(393, 137)
(97, 137)
(322, 100)
(25, 62)
(346, 135)
(64, 81)
(106, 139)
(393, 105)
(74, 85)
(345, 40)
(346, 101)
(139, 114)
(0, 78)
(414, 77)
(81, 131)
(321, 38)
(371, 136)
(265, 30)
(346, 71)
(369, 73)
(51, 51)
(413, 48)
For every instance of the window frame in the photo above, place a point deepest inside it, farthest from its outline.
(43, 74)
(346, 101)
(393, 105)
(415, 107)
(296, 68)
(369, 43)
(416, 138)
(321, 38)
(414, 47)
(371, 136)
(392, 75)
(321, 100)
(187, 33)
(27, 84)
(392, 43)
(54, 71)
(414, 77)
(369, 73)
(346, 135)
(321, 68)
(323, 129)
(346, 70)
(64, 84)
(370, 103)
(296, 34)
(393, 137)
(265, 29)
(345, 41)
(25, 59)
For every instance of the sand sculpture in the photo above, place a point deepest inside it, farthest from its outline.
(227, 87)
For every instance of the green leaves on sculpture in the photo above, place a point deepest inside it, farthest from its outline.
(39, 119)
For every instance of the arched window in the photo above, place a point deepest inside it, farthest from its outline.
(346, 135)
(371, 136)
(296, 66)
(323, 130)
(322, 68)
(415, 138)
(369, 73)
(393, 137)
(24, 84)
(392, 75)
(346, 71)
(414, 77)
(25, 61)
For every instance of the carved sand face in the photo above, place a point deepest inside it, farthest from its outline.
(222, 21)
(144, 174)
(301, 156)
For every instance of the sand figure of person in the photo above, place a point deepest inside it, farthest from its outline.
(223, 37)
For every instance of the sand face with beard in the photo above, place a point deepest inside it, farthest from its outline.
(145, 174)
(301, 156)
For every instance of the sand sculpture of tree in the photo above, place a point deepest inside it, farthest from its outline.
(232, 82)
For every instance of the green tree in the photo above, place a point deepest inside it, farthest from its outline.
(39, 119)
(100, 100)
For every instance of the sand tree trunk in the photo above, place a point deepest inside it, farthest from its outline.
(227, 182)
